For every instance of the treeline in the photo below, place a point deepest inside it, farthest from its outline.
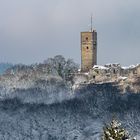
(56, 66)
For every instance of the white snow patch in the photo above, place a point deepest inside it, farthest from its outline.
(129, 67)
(79, 70)
(86, 73)
(123, 78)
(99, 67)
(125, 68)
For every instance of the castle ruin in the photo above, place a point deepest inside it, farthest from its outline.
(90, 72)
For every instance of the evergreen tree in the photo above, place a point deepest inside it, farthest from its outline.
(114, 131)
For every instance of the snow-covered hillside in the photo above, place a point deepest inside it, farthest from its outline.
(81, 117)
(38, 103)
(47, 79)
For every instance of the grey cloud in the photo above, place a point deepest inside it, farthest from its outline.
(33, 30)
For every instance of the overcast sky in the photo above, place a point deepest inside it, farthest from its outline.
(33, 30)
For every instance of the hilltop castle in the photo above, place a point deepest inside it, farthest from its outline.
(90, 72)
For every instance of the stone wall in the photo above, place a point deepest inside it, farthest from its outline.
(88, 50)
(113, 72)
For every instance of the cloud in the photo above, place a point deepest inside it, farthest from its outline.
(42, 29)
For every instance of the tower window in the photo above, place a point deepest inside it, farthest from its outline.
(87, 47)
(86, 38)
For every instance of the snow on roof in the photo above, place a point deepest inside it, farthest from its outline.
(99, 67)
(112, 65)
(132, 66)
(138, 65)
(129, 67)
(125, 68)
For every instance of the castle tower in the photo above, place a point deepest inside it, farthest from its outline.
(88, 50)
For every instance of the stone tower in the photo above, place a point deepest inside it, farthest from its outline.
(88, 50)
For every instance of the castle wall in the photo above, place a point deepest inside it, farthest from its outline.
(138, 70)
(113, 72)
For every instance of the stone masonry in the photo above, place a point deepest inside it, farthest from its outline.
(88, 50)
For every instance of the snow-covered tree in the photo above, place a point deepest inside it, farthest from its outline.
(114, 131)
(64, 68)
